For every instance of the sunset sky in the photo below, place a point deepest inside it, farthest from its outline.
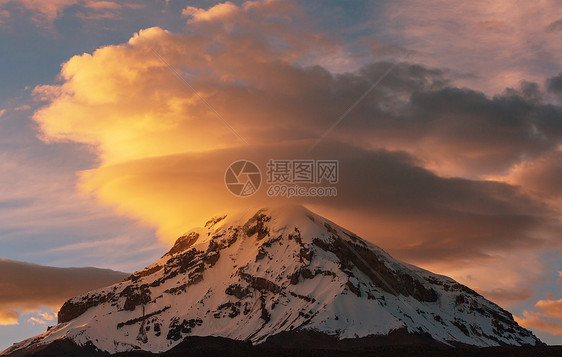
(118, 120)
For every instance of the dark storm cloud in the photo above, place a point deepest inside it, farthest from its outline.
(489, 134)
(554, 26)
(27, 287)
(554, 84)
(447, 218)
(414, 108)
(481, 134)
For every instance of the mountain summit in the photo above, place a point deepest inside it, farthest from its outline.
(279, 272)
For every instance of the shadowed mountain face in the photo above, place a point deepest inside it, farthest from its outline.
(279, 276)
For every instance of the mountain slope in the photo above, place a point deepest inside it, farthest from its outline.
(253, 276)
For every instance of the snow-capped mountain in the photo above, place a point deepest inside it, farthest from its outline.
(252, 276)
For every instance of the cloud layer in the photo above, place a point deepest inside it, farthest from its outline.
(29, 287)
(143, 121)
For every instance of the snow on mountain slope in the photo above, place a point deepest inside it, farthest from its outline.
(250, 276)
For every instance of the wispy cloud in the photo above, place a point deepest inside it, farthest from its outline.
(41, 318)
(555, 26)
(496, 42)
(102, 5)
(44, 13)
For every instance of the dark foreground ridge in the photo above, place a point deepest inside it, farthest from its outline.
(300, 345)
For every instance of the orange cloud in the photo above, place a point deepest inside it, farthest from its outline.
(133, 100)
(535, 321)
(41, 318)
(547, 317)
(540, 177)
(46, 316)
(8, 318)
(188, 189)
(215, 13)
(550, 308)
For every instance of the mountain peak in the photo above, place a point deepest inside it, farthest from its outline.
(254, 274)
(275, 217)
